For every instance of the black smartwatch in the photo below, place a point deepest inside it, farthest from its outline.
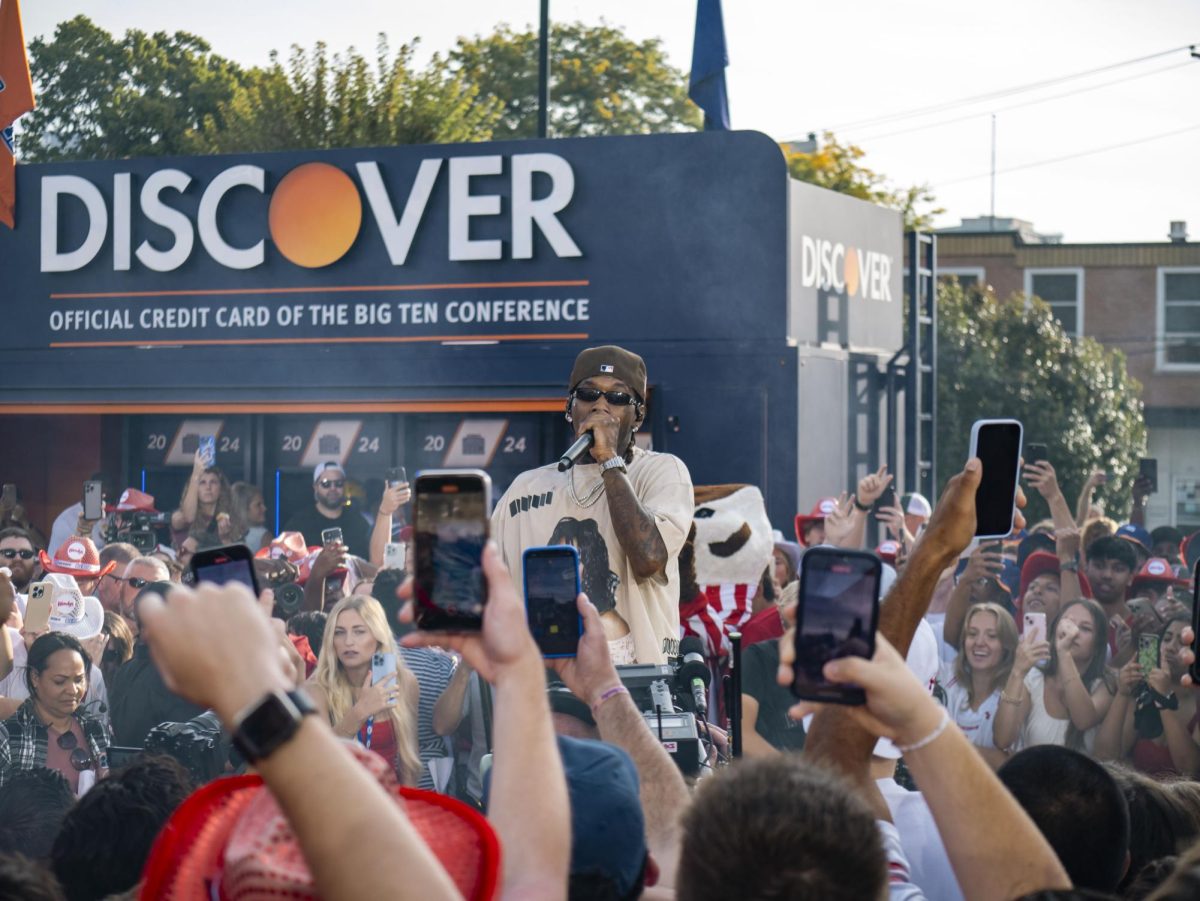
(264, 726)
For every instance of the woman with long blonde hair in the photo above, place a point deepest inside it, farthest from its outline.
(382, 716)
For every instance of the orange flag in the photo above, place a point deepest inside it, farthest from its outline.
(16, 97)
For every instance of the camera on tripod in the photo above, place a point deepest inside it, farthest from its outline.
(137, 528)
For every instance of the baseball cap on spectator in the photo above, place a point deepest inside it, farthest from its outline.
(1155, 570)
(70, 611)
(132, 501)
(230, 839)
(1136, 535)
(328, 466)
(820, 510)
(916, 504)
(888, 551)
(76, 557)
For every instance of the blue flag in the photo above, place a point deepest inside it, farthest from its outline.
(709, 59)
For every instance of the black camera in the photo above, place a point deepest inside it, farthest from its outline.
(137, 528)
(197, 744)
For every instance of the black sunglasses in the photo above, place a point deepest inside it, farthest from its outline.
(616, 398)
(12, 553)
(132, 580)
(332, 483)
(80, 759)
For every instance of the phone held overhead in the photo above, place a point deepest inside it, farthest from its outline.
(997, 444)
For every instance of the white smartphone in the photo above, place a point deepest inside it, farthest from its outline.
(997, 443)
(1035, 626)
(394, 553)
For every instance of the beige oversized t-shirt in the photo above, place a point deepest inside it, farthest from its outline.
(538, 510)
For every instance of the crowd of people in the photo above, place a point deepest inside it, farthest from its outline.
(1030, 726)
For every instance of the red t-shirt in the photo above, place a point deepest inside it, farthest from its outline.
(765, 625)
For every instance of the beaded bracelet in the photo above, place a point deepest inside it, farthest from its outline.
(928, 739)
(606, 694)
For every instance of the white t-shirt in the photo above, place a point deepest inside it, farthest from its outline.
(64, 528)
(538, 509)
(1040, 727)
(928, 865)
(977, 725)
(13, 685)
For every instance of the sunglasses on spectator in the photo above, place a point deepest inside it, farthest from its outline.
(616, 398)
(80, 759)
(332, 483)
(132, 580)
(12, 553)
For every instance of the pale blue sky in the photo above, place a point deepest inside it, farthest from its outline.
(796, 67)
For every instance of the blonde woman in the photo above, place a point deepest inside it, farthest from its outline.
(381, 716)
(986, 650)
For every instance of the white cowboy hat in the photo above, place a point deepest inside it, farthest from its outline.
(71, 612)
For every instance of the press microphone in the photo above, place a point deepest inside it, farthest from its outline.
(582, 445)
(693, 671)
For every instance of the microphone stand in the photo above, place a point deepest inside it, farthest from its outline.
(735, 708)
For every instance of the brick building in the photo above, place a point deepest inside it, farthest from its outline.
(1143, 299)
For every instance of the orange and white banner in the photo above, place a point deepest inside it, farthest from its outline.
(16, 98)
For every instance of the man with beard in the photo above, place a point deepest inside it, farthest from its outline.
(330, 512)
(19, 554)
(627, 510)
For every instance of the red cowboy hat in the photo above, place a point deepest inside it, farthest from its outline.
(132, 501)
(230, 840)
(76, 557)
(820, 510)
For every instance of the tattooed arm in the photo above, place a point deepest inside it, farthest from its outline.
(636, 529)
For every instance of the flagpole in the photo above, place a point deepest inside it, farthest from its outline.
(544, 70)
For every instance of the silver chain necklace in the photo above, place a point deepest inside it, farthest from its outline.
(593, 493)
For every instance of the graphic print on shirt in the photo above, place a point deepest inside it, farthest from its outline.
(599, 582)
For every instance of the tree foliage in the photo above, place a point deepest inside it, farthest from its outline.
(104, 98)
(837, 166)
(1011, 359)
(601, 82)
(322, 102)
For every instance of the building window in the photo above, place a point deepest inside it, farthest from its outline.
(1063, 290)
(969, 278)
(1179, 318)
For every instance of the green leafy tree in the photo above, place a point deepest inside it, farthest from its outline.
(100, 97)
(838, 167)
(601, 82)
(1011, 359)
(344, 101)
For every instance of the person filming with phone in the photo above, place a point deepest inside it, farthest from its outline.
(628, 510)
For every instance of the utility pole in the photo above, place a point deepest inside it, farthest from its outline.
(544, 71)
(992, 217)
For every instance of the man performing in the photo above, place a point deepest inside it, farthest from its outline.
(625, 509)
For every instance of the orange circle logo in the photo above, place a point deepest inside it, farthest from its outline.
(851, 271)
(315, 215)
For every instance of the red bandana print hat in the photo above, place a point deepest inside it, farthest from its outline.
(230, 841)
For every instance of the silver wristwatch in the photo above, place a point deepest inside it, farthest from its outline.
(614, 463)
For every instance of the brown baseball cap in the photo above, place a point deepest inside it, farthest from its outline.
(612, 361)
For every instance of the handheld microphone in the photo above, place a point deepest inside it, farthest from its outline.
(693, 672)
(582, 445)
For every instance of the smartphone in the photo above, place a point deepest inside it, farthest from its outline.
(1035, 626)
(394, 555)
(551, 588)
(37, 609)
(93, 500)
(887, 500)
(1148, 652)
(997, 443)
(221, 565)
(331, 536)
(1148, 469)
(450, 528)
(119, 757)
(1036, 453)
(396, 476)
(383, 666)
(837, 612)
(208, 449)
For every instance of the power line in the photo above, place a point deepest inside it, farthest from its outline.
(1005, 92)
(1072, 156)
(1012, 106)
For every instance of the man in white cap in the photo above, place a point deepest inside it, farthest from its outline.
(330, 512)
(70, 611)
(917, 511)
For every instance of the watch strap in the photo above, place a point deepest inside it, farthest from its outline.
(614, 463)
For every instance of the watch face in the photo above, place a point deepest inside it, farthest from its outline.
(273, 721)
